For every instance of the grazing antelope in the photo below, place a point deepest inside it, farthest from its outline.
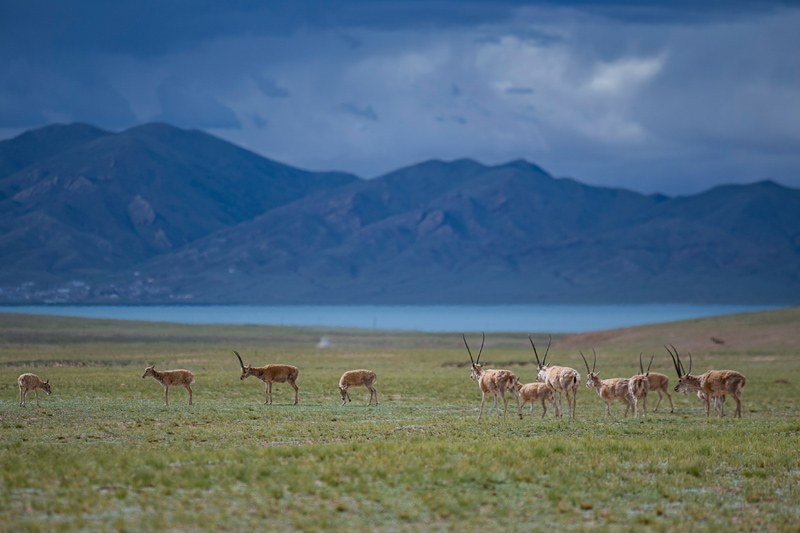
(171, 378)
(559, 378)
(719, 402)
(31, 382)
(713, 384)
(535, 392)
(357, 378)
(269, 374)
(493, 382)
(660, 383)
(608, 389)
(639, 386)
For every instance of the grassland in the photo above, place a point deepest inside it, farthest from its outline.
(103, 453)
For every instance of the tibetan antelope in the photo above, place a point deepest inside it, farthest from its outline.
(31, 382)
(639, 387)
(492, 381)
(536, 392)
(358, 378)
(171, 378)
(660, 383)
(559, 378)
(608, 389)
(713, 384)
(269, 374)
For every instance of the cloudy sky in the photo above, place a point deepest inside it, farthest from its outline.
(669, 96)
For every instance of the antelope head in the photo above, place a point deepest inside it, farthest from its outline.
(46, 386)
(477, 368)
(246, 370)
(542, 365)
(149, 371)
(641, 366)
(592, 377)
(686, 381)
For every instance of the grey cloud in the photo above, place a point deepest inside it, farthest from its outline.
(184, 104)
(270, 87)
(363, 112)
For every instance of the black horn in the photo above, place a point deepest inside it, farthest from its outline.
(534, 351)
(585, 362)
(549, 340)
(594, 361)
(468, 351)
(641, 368)
(680, 363)
(240, 359)
(650, 363)
(674, 363)
(690, 363)
(478, 359)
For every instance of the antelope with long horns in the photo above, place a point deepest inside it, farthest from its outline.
(559, 378)
(713, 384)
(639, 387)
(492, 381)
(31, 382)
(269, 374)
(171, 378)
(608, 389)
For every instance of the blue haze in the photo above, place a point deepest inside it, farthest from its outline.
(445, 318)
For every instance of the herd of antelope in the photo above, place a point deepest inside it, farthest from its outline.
(552, 382)
(555, 380)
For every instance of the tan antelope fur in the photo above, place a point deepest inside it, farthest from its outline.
(713, 384)
(171, 378)
(358, 378)
(31, 382)
(493, 381)
(719, 402)
(269, 374)
(559, 378)
(660, 383)
(536, 392)
(639, 387)
(608, 389)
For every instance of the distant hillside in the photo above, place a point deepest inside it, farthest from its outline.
(156, 214)
(118, 199)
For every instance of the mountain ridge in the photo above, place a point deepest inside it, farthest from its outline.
(238, 228)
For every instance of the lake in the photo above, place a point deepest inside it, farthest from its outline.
(433, 318)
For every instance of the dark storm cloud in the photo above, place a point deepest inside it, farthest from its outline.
(671, 96)
(186, 104)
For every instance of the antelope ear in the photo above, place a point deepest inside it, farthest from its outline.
(47, 382)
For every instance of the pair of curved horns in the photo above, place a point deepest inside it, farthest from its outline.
(676, 360)
(585, 362)
(474, 361)
(544, 359)
(641, 366)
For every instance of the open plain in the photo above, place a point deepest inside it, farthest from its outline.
(103, 453)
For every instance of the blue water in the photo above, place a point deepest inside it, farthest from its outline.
(435, 318)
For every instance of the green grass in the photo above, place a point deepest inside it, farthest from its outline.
(103, 453)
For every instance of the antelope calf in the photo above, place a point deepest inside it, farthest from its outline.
(171, 378)
(493, 382)
(608, 389)
(536, 392)
(713, 384)
(269, 374)
(559, 378)
(358, 378)
(31, 382)
(639, 387)
(660, 383)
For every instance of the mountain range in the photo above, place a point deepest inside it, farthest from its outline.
(160, 214)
